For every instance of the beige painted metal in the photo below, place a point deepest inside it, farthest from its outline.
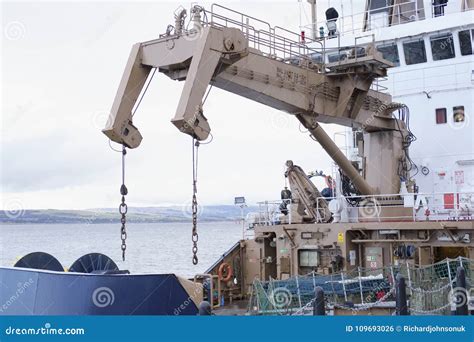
(306, 197)
(119, 126)
(221, 56)
(335, 153)
(315, 93)
(314, 19)
(214, 285)
(194, 290)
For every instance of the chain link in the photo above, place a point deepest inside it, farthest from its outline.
(123, 208)
(367, 306)
(195, 236)
(427, 312)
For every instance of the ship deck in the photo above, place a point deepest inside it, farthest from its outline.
(236, 308)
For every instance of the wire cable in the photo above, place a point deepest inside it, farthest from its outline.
(144, 92)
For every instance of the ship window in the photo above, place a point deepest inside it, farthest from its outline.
(465, 42)
(438, 7)
(334, 58)
(390, 53)
(338, 56)
(441, 116)
(316, 57)
(458, 114)
(414, 52)
(442, 46)
(309, 258)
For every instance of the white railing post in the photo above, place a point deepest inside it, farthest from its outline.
(449, 275)
(360, 285)
(393, 275)
(344, 286)
(298, 290)
(290, 217)
(455, 201)
(409, 278)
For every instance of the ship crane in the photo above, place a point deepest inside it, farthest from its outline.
(274, 67)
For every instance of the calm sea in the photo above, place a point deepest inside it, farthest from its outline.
(151, 247)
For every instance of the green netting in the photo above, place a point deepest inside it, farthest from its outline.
(429, 289)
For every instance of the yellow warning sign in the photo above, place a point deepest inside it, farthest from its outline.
(340, 237)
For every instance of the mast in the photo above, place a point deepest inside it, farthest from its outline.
(314, 31)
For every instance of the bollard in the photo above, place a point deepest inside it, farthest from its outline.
(318, 304)
(205, 309)
(460, 292)
(401, 296)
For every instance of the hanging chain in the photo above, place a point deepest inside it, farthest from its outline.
(123, 206)
(195, 236)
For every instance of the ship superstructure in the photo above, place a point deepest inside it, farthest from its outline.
(382, 206)
(430, 44)
(400, 198)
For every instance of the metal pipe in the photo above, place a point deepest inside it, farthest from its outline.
(389, 240)
(336, 154)
(314, 31)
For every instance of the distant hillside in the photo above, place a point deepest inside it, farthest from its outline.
(138, 214)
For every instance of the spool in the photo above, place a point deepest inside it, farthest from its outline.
(94, 263)
(40, 261)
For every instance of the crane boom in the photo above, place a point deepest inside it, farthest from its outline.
(281, 77)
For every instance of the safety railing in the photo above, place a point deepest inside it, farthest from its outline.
(429, 289)
(371, 19)
(428, 78)
(377, 84)
(275, 42)
(435, 206)
(269, 212)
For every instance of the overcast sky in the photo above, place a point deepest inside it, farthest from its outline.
(61, 65)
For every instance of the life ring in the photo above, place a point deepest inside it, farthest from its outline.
(227, 269)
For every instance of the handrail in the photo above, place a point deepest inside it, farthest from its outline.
(440, 212)
(276, 42)
(356, 22)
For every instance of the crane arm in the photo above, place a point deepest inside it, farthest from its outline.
(221, 56)
(181, 57)
(119, 126)
(266, 68)
(306, 194)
